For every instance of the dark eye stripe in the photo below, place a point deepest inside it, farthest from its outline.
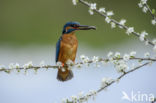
(74, 25)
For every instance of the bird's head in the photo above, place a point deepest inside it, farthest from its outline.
(73, 26)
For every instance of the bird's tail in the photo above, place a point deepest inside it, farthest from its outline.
(64, 75)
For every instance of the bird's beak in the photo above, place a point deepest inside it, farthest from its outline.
(86, 27)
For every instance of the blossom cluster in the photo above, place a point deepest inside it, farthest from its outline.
(119, 61)
(120, 64)
(28, 65)
(106, 81)
(12, 65)
(145, 8)
(86, 60)
(142, 5)
(81, 97)
(16, 66)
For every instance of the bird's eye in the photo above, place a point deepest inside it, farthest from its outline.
(74, 25)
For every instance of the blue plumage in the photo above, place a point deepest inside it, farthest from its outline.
(69, 24)
(58, 49)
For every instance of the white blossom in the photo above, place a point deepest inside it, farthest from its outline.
(86, 60)
(147, 54)
(11, 66)
(59, 64)
(17, 65)
(117, 55)
(121, 66)
(28, 65)
(74, 99)
(42, 64)
(153, 22)
(110, 13)
(143, 1)
(102, 10)
(132, 54)
(130, 30)
(111, 60)
(140, 5)
(107, 19)
(64, 100)
(106, 81)
(95, 59)
(122, 22)
(25, 66)
(82, 57)
(145, 9)
(154, 41)
(93, 6)
(126, 57)
(90, 12)
(74, 2)
(69, 62)
(93, 93)
(142, 35)
(113, 25)
(110, 54)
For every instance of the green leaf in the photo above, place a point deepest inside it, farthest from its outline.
(131, 56)
(7, 71)
(153, 11)
(18, 70)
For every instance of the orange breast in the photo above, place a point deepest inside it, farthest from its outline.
(68, 48)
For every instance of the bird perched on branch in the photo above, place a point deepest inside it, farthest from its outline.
(66, 48)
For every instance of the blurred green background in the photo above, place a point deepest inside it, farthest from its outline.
(27, 22)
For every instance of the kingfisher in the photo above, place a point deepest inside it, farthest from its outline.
(66, 48)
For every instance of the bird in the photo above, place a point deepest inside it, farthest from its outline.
(66, 48)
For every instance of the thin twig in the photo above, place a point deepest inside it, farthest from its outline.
(116, 22)
(150, 11)
(56, 67)
(121, 76)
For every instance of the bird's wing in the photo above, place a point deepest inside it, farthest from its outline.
(58, 49)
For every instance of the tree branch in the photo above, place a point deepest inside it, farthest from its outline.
(86, 97)
(150, 11)
(7, 70)
(116, 22)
